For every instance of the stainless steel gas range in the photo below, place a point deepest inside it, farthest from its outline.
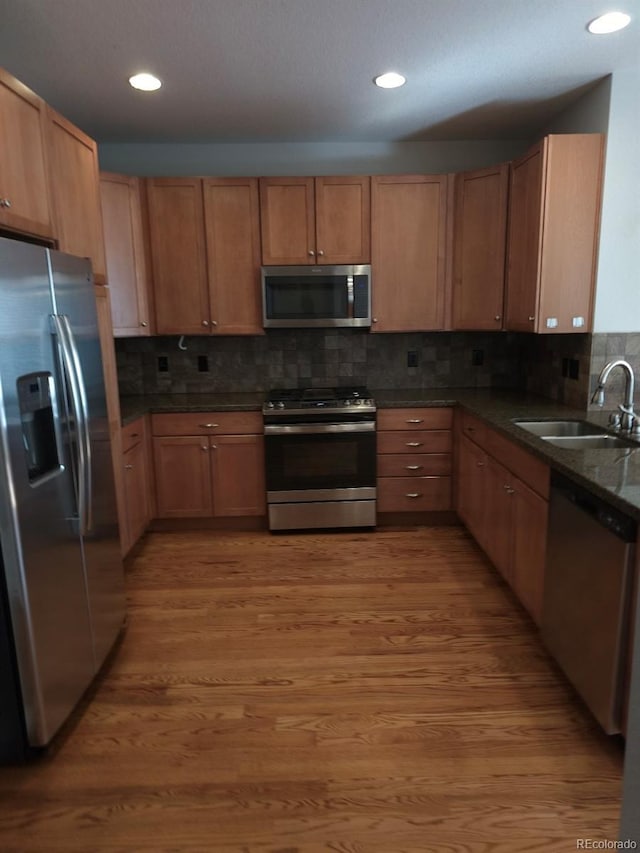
(320, 453)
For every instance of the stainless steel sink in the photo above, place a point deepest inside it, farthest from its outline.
(557, 429)
(589, 442)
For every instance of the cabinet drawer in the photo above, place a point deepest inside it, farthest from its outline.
(397, 419)
(416, 441)
(413, 464)
(417, 494)
(473, 428)
(132, 434)
(207, 423)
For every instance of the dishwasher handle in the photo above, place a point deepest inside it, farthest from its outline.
(612, 519)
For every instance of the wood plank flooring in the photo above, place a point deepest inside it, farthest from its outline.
(354, 693)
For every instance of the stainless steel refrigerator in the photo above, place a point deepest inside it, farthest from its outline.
(61, 585)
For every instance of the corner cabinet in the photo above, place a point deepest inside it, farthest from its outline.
(24, 190)
(205, 251)
(408, 252)
(75, 192)
(315, 220)
(554, 216)
(209, 464)
(479, 245)
(125, 254)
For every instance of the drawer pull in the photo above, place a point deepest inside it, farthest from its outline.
(413, 444)
(134, 435)
(128, 467)
(480, 464)
(208, 426)
(469, 429)
(413, 495)
(415, 421)
(413, 467)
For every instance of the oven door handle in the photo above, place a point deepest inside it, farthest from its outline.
(318, 429)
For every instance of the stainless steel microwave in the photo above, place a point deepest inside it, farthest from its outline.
(307, 296)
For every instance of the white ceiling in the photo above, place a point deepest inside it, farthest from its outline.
(301, 70)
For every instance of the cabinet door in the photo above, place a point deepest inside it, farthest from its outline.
(343, 220)
(237, 468)
(524, 240)
(183, 478)
(124, 248)
(529, 542)
(75, 193)
(480, 229)
(136, 487)
(24, 189)
(287, 221)
(408, 239)
(471, 487)
(496, 536)
(176, 230)
(231, 213)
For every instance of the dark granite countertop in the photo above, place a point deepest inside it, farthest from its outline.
(612, 474)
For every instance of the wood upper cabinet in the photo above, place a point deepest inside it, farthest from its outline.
(232, 231)
(176, 233)
(479, 244)
(408, 247)
(75, 192)
(125, 254)
(315, 220)
(554, 214)
(24, 188)
(204, 239)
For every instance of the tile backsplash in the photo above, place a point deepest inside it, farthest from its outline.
(316, 357)
(559, 367)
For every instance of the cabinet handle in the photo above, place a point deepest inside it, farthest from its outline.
(320, 252)
(480, 464)
(311, 252)
(5, 202)
(214, 323)
(144, 323)
(413, 444)
(214, 446)
(413, 467)
(128, 467)
(413, 495)
(208, 426)
(204, 447)
(135, 434)
(205, 322)
(531, 319)
(414, 421)
(497, 318)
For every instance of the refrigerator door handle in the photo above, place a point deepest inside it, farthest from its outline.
(78, 399)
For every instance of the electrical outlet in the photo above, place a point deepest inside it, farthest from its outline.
(163, 364)
(203, 363)
(574, 368)
(477, 357)
(412, 358)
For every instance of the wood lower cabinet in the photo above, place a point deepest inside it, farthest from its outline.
(408, 252)
(137, 481)
(125, 254)
(479, 245)
(209, 464)
(315, 220)
(414, 460)
(24, 189)
(75, 192)
(205, 251)
(502, 497)
(554, 216)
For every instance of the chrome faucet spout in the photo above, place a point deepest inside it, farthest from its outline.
(628, 415)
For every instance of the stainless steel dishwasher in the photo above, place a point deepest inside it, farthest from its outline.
(585, 615)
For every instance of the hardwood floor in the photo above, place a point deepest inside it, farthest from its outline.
(355, 693)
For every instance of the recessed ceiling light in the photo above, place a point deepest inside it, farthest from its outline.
(390, 80)
(609, 23)
(145, 82)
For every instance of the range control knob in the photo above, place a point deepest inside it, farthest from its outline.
(280, 405)
(270, 405)
(347, 402)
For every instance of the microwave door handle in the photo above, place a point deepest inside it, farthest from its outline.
(350, 296)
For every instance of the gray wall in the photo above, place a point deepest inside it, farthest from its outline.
(304, 158)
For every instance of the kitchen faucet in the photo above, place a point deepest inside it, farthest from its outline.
(629, 418)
